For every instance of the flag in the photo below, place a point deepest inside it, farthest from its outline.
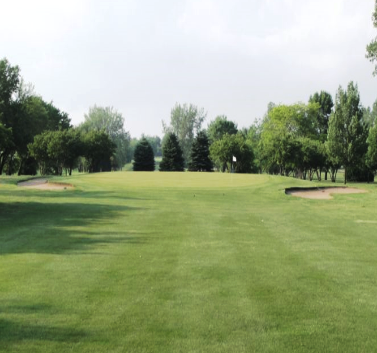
(234, 159)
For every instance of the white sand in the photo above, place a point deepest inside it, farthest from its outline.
(325, 193)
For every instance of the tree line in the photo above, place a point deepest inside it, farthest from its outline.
(304, 140)
(36, 135)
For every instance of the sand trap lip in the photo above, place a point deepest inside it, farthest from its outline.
(322, 193)
(44, 184)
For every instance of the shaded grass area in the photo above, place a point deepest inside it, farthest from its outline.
(186, 263)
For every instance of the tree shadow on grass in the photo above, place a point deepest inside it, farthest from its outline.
(20, 331)
(108, 195)
(57, 228)
(64, 194)
(15, 332)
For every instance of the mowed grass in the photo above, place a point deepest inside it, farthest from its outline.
(186, 262)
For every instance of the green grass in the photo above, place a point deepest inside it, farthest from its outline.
(186, 262)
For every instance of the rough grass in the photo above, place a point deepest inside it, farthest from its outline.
(186, 262)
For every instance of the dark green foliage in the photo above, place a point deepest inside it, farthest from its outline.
(98, 148)
(219, 127)
(143, 157)
(9, 81)
(360, 174)
(223, 150)
(325, 101)
(12, 165)
(347, 134)
(172, 156)
(58, 150)
(112, 122)
(371, 157)
(26, 114)
(185, 121)
(313, 157)
(28, 166)
(57, 120)
(199, 158)
(64, 148)
(6, 145)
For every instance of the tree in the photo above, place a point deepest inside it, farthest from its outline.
(222, 152)
(56, 150)
(313, 157)
(372, 46)
(254, 137)
(185, 122)
(143, 157)
(6, 145)
(57, 120)
(370, 115)
(155, 142)
(347, 135)
(98, 148)
(64, 148)
(282, 126)
(39, 151)
(372, 148)
(326, 104)
(199, 157)
(109, 120)
(26, 114)
(131, 149)
(9, 82)
(219, 127)
(172, 155)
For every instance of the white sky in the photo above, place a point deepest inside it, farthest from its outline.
(229, 57)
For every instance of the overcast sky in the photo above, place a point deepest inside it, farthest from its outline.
(230, 57)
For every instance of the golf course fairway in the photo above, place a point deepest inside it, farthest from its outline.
(186, 262)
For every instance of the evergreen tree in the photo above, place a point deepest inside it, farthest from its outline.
(185, 121)
(199, 158)
(143, 157)
(172, 156)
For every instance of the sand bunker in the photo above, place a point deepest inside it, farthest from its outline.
(322, 193)
(43, 184)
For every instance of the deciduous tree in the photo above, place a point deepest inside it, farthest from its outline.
(372, 46)
(185, 121)
(222, 152)
(219, 127)
(372, 148)
(347, 134)
(112, 122)
(98, 148)
(326, 104)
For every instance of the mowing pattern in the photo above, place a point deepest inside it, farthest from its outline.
(186, 262)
